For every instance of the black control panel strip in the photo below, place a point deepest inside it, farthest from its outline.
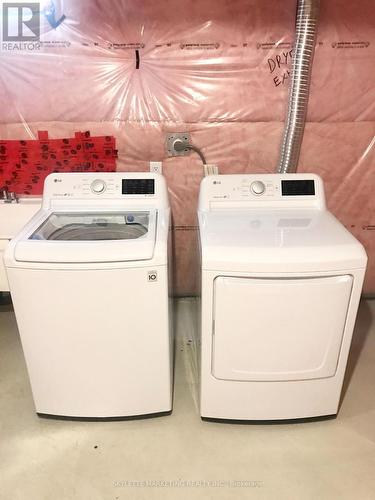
(301, 187)
(138, 186)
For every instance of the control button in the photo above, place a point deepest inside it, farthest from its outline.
(258, 187)
(98, 186)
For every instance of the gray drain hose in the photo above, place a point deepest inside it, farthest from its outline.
(306, 30)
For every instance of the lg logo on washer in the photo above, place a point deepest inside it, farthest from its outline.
(152, 276)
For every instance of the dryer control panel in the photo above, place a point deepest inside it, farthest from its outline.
(262, 191)
(114, 187)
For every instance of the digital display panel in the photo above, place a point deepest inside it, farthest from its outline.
(138, 186)
(301, 187)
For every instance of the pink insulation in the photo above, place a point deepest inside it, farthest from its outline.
(218, 69)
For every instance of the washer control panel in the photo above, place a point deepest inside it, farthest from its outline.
(128, 186)
(106, 186)
(305, 190)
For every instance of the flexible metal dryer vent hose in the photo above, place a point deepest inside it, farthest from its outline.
(306, 30)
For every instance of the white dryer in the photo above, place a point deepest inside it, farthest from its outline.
(89, 278)
(281, 283)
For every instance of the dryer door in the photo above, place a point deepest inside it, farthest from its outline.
(278, 329)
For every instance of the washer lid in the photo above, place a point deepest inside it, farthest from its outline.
(90, 237)
(277, 241)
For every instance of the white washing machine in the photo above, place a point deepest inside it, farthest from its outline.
(281, 283)
(89, 278)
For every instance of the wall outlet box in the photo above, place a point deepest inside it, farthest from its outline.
(183, 137)
(156, 167)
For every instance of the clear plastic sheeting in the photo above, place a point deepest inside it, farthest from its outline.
(220, 70)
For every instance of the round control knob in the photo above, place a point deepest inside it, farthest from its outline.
(98, 186)
(258, 187)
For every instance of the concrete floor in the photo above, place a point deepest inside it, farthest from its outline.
(45, 459)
